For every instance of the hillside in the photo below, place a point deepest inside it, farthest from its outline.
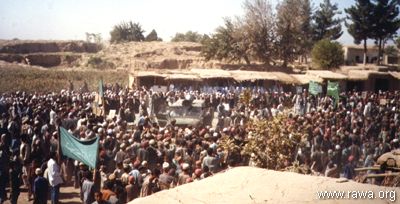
(130, 55)
(20, 77)
(151, 55)
(125, 56)
(46, 53)
(254, 185)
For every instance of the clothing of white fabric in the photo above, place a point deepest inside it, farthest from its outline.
(54, 173)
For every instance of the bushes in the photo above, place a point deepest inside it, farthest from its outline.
(327, 54)
(127, 32)
(99, 63)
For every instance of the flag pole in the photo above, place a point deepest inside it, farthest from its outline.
(96, 173)
(101, 93)
(59, 142)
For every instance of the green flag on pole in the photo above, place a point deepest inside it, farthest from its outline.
(333, 90)
(101, 93)
(84, 151)
(314, 88)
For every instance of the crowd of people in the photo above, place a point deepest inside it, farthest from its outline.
(137, 157)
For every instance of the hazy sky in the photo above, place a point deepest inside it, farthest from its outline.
(70, 19)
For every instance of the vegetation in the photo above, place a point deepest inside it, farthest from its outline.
(246, 38)
(294, 29)
(325, 25)
(391, 51)
(99, 63)
(152, 36)
(270, 144)
(257, 33)
(95, 38)
(48, 80)
(126, 32)
(189, 36)
(327, 54)
(265, 35)
(225, 44)
(385, 22)
(360, 28)
(373, 19)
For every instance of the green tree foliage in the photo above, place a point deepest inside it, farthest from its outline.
(294, 29)
(258, 30)
(385, 22)
(126, 32)
(225, 44)
(360, 26)
(306, 31)
(99, 63)
(326, 54)
(391, 51)
(189, 36)
(251, 37)
(272, 142)
(325, 25)
(152, 36)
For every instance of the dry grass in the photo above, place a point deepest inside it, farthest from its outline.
(24, 78)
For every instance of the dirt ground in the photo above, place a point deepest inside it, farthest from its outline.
(68, 195)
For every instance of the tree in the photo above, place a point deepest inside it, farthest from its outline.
(326, 54)
(126, 32)
(360, 27)
(225, 44)
(94, 37)
(325, 25)
(306, 41)
(152, 36)
(385, 22)
(293, 29)
(273, 143)
(259, 30)
(391, 51)
(189, 36)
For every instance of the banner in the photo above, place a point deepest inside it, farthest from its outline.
(101, 93)
(97, 105)
(84, 151)
(299, 89)
(314, 88)
(333, 90)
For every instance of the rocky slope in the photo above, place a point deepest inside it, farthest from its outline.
(46, 53)
(151, 55)
(131, 55)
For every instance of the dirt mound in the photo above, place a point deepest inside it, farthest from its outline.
(46, 53)
(254, 185)
(153, 55)
(43, 59)
(127, 56)
(24, 47)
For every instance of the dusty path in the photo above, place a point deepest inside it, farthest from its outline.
(68, 195)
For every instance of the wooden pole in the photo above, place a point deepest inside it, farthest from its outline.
(59, 155)
(382, 175)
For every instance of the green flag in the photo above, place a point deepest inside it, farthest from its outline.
(101, 93)
(84, 151)
(333, 90)
(314, 88)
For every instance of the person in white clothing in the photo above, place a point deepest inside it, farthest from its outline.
(55, 179)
